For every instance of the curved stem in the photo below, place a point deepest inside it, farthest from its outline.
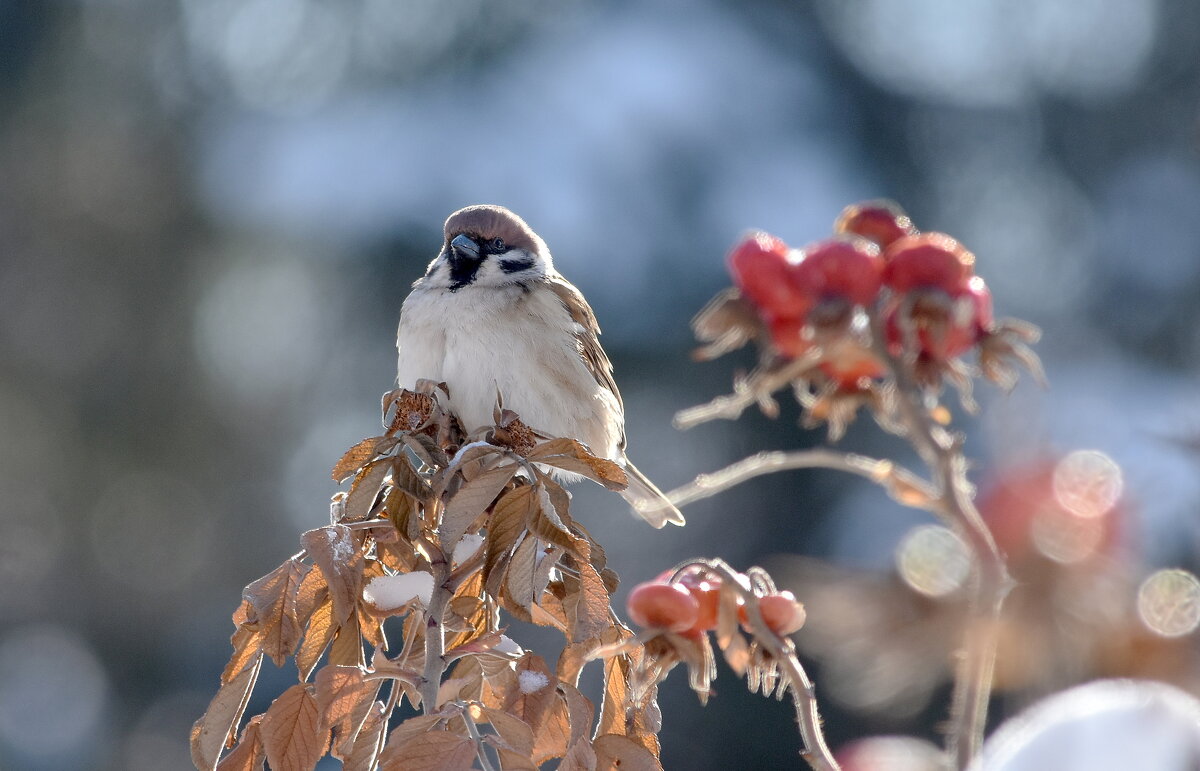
(783, 652)
(899, 481)
(941, 452)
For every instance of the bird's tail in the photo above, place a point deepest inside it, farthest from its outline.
(648, 501)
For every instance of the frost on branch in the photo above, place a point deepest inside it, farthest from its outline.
(402, 596)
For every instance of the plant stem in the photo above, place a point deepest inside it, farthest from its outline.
(783, 652)
(435, 634)
(941, 452)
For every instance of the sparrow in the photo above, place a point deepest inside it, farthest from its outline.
(492, 315)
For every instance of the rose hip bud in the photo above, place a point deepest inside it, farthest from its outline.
(781, 613)
(663, 606)
(980, 304)
(787, 335)
(759, 265)
(707, 592)
(928, 261)
(841, 268)
(852, 366)
(881, 221)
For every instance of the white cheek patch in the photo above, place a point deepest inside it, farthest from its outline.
(510, 268)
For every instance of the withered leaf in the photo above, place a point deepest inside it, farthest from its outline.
(274, 600)
(316, 638)
(580, 712)
(246, 643)
(426, 450)
(515, 732)
(589, 611)
(571, 455)
(313, 592)
(365, 488)
(433, 751)
(572, 660)
(347, 649)
(355, 457)
(249, 754)
(470, 501)
(410, 728)
(521, 575)
(337, 555)
(547, 524)
(580, 757)
(616, 696)
(292, 732)
(364, 754)
(509, 760)
(212, 731)
(552, 738)
(620, 753)
(505, 525)
(480, 644)
(534, 692)
(344, 698)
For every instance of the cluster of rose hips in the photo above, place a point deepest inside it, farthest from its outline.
(922, 284)
(690, 606)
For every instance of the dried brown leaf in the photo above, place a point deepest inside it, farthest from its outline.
(274, 600)
(509, 760)
(246, 643)
(292, 733)
(534, 691)
(433, 751)
(212, 731)
(571, 455)
(409, 729)
(588, 613)
(316, 638)
(547, 524)
(355, 457)
(347, 649)
(580, 711)
(620, 753)
(344, 698)
(469, 502)
(552, 736)
(365, 488)
(338, 556)
(505, 525)
(249, 754)
(616, 696)
(520, 577)
(515, 732)
(364, 754)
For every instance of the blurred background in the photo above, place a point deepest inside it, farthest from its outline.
(210, 211)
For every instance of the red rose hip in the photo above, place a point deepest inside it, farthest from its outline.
(840, 268)
(781, 613)
(928, 261)
(881, 221)
(760, 266)
(663, 606)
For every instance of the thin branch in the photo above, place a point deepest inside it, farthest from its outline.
(899, 481)
(435, 635)
(754, 389)
(783, 652)
(991, 584)
(480, 747)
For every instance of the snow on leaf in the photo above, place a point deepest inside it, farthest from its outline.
(333, 549)
(387, 593)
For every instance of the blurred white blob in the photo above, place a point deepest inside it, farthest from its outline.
(53, 692)
(933, 560)
(151, 532)
(1116, 725)
(890, 753)
(996, 52)
(1168, 603)
(31, 539)
(1087, 483)
(261, 328)
(274, 54)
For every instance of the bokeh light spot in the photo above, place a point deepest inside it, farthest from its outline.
(52, 693)
(933, 560)
(1066, 537)
(1087, 483)
(1168, 602)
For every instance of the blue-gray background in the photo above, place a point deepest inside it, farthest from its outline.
(210, 211)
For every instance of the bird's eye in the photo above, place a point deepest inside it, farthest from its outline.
(498, 244)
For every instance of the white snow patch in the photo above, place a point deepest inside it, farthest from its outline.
(529, 681)
(340, 544)
(462, 450)
(508, 645)
(466, 547)
(391, 592)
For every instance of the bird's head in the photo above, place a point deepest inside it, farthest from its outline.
(488, 246)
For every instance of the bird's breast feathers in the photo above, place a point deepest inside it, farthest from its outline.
(519, 342)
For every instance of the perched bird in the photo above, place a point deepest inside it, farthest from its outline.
(492, 315)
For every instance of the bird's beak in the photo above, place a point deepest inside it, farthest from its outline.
(463, 249)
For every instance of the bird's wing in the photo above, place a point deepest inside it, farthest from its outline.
(587, 335)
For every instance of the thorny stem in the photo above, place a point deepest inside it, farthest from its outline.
(941, 452)
(435, 635)
(874, 469)
(747, 392)
(816, 751)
